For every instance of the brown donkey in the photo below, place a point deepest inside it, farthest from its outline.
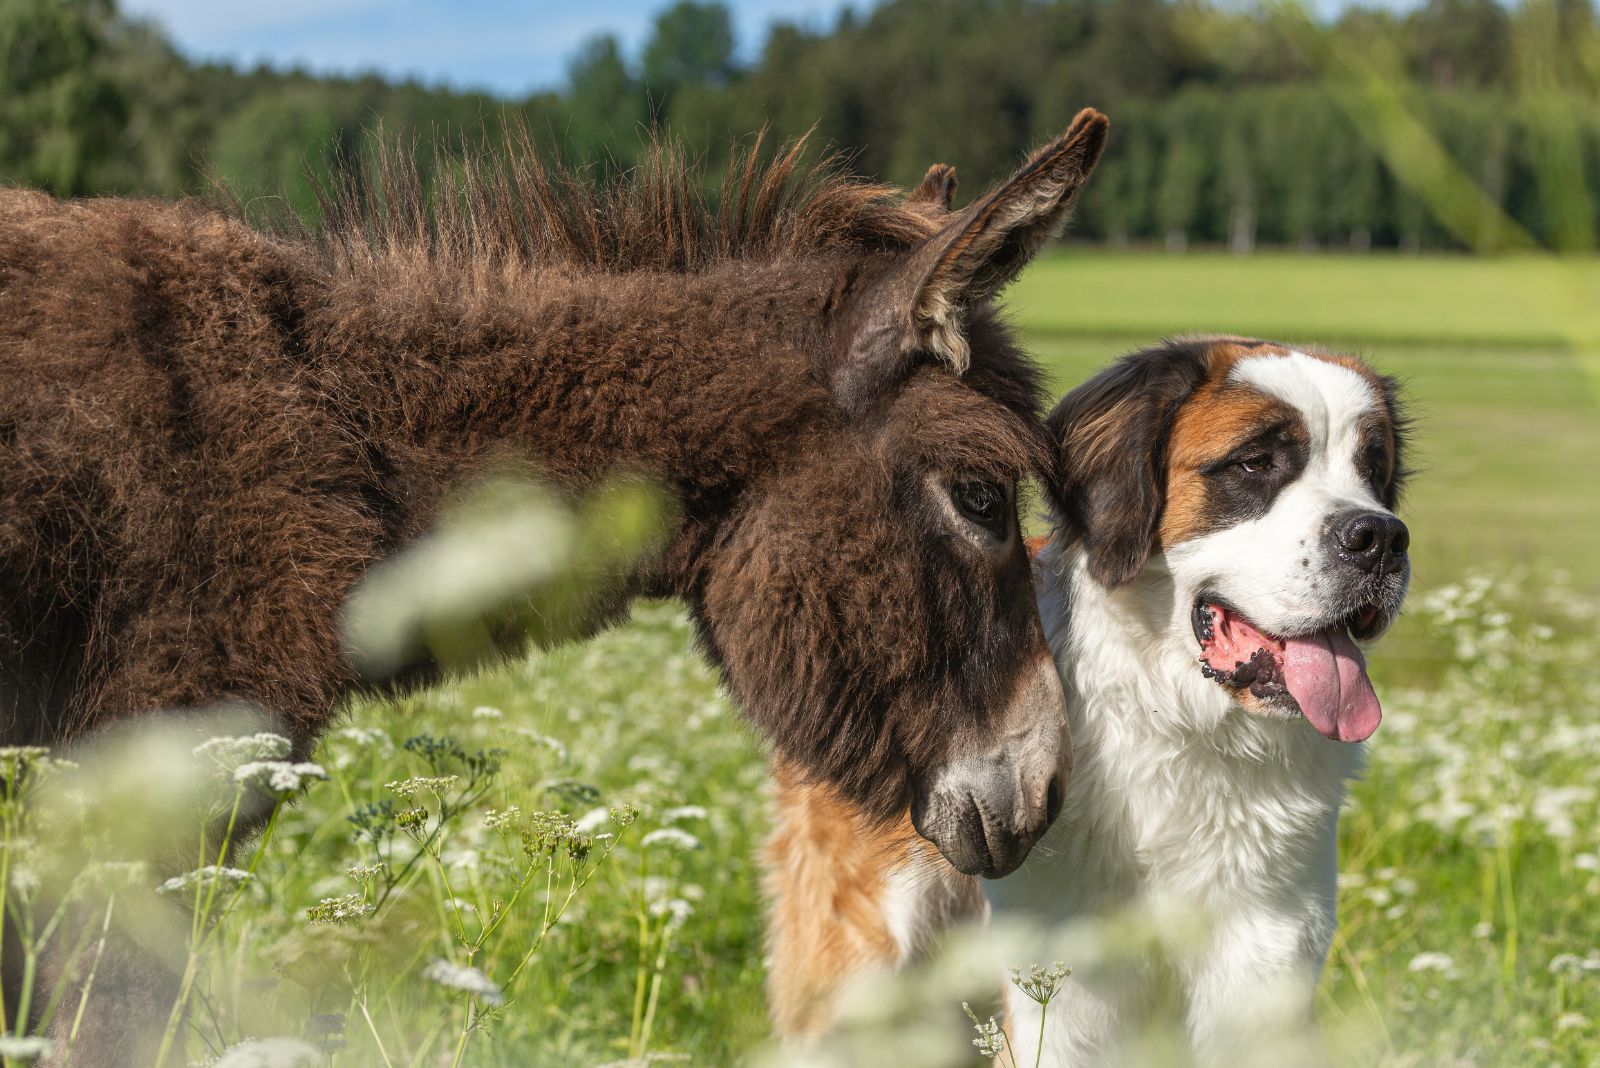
(208, 435)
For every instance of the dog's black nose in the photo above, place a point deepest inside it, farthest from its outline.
(1375, 542)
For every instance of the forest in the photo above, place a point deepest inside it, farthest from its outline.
(1452, 124)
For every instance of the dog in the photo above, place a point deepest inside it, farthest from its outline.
(1225, 534)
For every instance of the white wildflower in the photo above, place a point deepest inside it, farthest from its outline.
(684, 812)
(1568, 1020)
(1431, 962)
(505, 819)
(24, 1048)
(487, 712)
(991, 1040)
(24, 879)
(1038, 983)
(229, 752)
(340, 910)
(675, 909)
(278, 776)
(365, 737)
(225, 878)
(1566, 963)
(672, 838)
(271, 1053)
(1483, 930)
(467, 979)
(593, 820)
(407, 789)
(1586, 862)
(365, 873)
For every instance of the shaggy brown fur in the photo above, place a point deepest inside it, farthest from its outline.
(209, 434)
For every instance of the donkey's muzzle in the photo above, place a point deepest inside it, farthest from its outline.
(984, 810)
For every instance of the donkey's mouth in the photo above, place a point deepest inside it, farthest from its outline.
(1320, 674)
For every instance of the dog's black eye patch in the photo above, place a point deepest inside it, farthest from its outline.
(1244, 483)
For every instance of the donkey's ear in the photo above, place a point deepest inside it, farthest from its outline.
(1111, 460)
(919, 307)
(937, 188)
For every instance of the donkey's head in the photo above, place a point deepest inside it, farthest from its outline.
(871, 597)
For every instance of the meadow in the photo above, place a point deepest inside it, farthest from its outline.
(628, 929)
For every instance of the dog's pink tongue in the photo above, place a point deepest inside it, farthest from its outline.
(1327, 674)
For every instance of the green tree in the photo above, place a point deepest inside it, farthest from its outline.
(690, 44)
(59, 114)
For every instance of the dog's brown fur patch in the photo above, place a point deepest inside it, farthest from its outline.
(826, 876)
(1210, 425)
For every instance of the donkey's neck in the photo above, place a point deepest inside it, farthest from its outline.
(701, 381)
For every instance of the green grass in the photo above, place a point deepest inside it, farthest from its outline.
(1475, 836)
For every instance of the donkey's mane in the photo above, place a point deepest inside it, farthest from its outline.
(520, 205)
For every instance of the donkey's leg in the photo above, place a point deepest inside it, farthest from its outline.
(848, 899)
(135, 987)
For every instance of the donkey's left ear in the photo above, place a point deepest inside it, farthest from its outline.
(920, 306)
(937, 189)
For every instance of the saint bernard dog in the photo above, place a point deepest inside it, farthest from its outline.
(1225, 535)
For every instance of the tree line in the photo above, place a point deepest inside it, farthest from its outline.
(1458, 123)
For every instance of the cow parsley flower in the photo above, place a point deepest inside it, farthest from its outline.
(503, 819)
(671, 838)
(676, 910)
(278, 776)
(408, 789)
(271, 1053)
(226, 879)
(487, 712)
(365, 873)
(340, 911)
(991, 1040)
(228, 753)
(1431, 962)
(468, 979)
(24, 1048)
(1038, 983)
(683, 812)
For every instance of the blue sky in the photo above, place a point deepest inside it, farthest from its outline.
(505, 46)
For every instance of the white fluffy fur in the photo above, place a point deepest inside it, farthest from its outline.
(1178, 795)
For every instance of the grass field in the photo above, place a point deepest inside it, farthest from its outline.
(1470, 906)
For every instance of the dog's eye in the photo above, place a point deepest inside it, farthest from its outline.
(1254, 465)
(982, 502)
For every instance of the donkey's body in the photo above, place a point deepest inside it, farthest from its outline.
(209, 435)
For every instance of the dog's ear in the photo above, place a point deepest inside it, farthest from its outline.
(1111, 455)
(1400, 429)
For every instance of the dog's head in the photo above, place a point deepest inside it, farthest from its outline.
(1250, 489)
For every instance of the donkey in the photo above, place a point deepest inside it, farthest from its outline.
(210, 433)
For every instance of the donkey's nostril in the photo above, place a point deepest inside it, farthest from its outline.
(1054, 795)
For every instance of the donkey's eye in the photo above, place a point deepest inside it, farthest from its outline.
(1254, 465)
(982, 502)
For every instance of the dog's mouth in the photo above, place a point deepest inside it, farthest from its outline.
(1321, 674)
